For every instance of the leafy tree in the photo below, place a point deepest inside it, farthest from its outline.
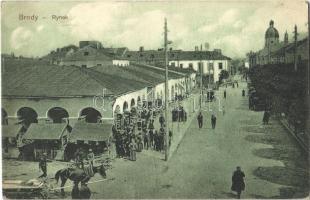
(223, 75)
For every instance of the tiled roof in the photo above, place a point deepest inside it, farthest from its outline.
(153, 55)
(91, 131)
(197, 55)
(10, 130)
(45, 80)
(45, 131)
(115, 83)
(93, 54)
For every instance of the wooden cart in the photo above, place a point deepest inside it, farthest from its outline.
(17, 189)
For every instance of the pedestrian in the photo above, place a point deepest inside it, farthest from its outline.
(200, 120)
(233, 85)
(265, 117)
(156, 140)
(243, 92)
(132, 149)
(238, 184)
(223, 110)
(170, 138)
(90, 156)
(43, 165)
(224, 94)
(146, 140)
(161, 120)
(151, 133)
(237, 84)
(213, 121)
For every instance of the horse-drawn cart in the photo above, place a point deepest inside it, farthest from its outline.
(17, 189)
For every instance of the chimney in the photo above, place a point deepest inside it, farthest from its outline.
(218, 51)
(141, 49)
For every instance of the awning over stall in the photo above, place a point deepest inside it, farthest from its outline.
(45, 131)
(10, 130)
(91, 131)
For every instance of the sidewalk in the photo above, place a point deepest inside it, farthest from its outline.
(178, 128)
(302, 139)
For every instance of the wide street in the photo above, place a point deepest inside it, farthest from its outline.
(203, 164)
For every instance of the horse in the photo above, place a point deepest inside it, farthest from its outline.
(77, 175)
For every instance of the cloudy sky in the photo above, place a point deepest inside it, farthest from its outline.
(235, 26)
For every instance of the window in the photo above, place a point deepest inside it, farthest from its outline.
(99, 64)
(84, 66)
(181, 66)
(210, 66)
(220, 65)
(128, 56)
(173, 64)
(86, 53)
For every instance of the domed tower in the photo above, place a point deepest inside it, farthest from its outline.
(271, 36)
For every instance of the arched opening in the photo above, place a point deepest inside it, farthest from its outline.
(91, 115)
(4, 118)
(57, 114)
(132, 103)
(125, 106)
(117, 109)
(139, 103)
(27, 115)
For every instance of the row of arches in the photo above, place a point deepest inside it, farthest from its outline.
(56, 114)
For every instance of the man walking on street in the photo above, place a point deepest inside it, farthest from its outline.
(224, 94)
(43, 165)
(200, 120)
(213, 121)
(161, 120)
(238, 184)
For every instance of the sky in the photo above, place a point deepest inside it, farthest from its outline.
(235, 26)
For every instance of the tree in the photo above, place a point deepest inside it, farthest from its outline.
(223, 75)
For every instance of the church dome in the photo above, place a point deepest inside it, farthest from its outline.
(271, 31)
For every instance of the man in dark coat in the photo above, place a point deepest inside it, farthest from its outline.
(224, 94)
(200, 120)
(161, 120)
(213, 121)
(238, 184)
(43, 165)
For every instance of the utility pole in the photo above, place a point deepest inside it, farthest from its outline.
(295, 47)
(308, 72)
(201, 73)
(166, 91)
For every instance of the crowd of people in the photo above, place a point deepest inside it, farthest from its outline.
(138, 133)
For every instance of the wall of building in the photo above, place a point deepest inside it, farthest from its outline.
(206, 64)
(140, 94)
(120, 62)
(86, 63)
(72, 105)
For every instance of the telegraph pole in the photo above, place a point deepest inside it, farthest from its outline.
(308, 2)
(166, 91)
(295, 47)
(201, 70)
